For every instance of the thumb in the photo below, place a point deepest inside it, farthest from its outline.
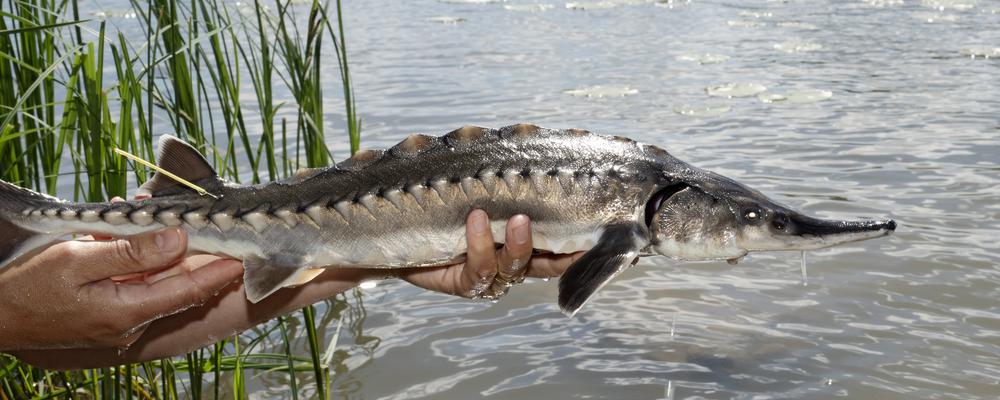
(134, 254)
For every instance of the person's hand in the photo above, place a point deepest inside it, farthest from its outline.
(230, 313)
(488, 272)
(65, 297)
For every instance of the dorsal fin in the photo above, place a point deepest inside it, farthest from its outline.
(183, 160)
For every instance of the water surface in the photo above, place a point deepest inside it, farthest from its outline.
(901, 118)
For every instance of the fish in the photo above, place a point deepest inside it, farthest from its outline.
(614, 198)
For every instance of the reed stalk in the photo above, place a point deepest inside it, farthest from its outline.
(71, 90)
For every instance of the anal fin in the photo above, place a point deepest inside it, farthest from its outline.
(617, 249)
(264, 276)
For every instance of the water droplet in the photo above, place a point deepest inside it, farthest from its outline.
(546, 279)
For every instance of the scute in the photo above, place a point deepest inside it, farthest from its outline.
(413, 145)
(466, 134)
(655, 151)
(523, 130)
(361, 159)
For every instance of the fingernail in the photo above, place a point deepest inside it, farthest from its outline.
(521, 229)
(168, 240)
(479, 222)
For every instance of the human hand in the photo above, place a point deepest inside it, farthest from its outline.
(65, 297)
(488, 272)
(230, 312)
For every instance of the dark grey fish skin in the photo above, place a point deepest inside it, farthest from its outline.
(406, 206)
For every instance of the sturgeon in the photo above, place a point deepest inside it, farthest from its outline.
(610, 196)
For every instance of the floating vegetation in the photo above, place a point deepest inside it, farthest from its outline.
(599, 91)
(702, 110)
(797, 97)
(930, 17)
(736, 90)
(703, 58)
(798, 47)
(446, 20)
(798, 25)
(590, 6)
(981, 52)
(528, 7)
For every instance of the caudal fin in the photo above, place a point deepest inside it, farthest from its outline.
(16, 206)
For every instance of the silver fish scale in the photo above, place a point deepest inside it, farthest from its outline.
(407, 206)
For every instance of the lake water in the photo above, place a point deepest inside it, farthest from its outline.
(843, 108)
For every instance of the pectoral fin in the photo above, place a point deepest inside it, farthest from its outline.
(617, 249)
(262, 277)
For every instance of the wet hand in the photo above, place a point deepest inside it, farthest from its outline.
(73, 294)
(488, 272)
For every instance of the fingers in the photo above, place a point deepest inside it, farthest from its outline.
(481, 257)
(515, 254)
(551, 265)
(139, 253)
(182, 290)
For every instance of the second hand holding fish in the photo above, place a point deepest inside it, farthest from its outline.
(229, 312)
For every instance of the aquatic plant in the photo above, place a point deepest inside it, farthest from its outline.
(74, 87)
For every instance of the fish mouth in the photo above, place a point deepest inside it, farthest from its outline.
(825, 233)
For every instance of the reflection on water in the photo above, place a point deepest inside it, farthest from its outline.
(868, 110)
(839, 108)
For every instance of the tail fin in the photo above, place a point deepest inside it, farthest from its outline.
(15, 238)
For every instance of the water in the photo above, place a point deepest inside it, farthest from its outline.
(897, 113)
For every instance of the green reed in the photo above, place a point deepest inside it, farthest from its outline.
(72, 89)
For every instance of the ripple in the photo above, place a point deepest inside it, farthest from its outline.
(703, 110)
(599, 91)
(736, 90)
(981, 52)
(798, 25)
(601, 5)
(796, 97)
(741, 23)
(528, 7)
(798, 47)
(446, 20)
(671, 3)
(930, 17)
(958, 5)
(703, 58)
